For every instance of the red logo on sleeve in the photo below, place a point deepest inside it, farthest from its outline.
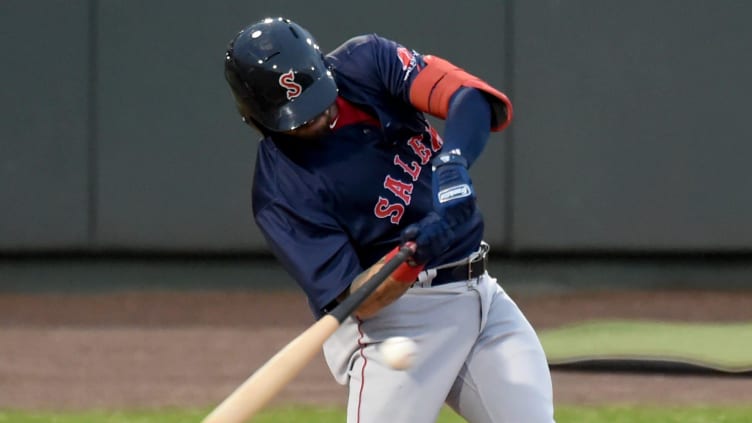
(287, 81)
(406, 57)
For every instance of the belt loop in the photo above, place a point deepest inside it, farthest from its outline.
(425, 277)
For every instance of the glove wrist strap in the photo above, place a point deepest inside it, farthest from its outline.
(405, 273)
(451, 157)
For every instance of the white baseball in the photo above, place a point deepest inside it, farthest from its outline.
(399, 352)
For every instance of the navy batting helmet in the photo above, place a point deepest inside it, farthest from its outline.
(277, 75)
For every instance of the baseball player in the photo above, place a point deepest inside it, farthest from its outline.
(348, 170)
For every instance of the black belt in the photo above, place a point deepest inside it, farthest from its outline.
(461, 272)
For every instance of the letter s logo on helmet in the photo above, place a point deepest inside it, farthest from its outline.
(278, 76)
(287, 81)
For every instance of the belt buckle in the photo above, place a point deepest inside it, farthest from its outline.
(482, 254)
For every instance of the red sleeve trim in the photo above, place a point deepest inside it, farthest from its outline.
(435, 84)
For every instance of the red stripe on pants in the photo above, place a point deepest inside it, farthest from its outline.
(363, 369)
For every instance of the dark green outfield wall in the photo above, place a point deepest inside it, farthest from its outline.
(631, 133)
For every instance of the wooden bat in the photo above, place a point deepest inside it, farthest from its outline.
(264, 384)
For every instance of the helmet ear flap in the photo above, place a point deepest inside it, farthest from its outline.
(245, 115)
(255, 125)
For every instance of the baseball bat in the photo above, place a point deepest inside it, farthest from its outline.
(266, 382)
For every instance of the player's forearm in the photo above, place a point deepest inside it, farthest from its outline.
(468, 123)
(399, 281)
(384, 295)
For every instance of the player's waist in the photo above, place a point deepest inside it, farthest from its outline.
(470, 267)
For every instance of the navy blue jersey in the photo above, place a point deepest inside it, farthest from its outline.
(331, 208)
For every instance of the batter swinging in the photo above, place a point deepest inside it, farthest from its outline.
(347, 170)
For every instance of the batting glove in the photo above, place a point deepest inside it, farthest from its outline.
(453, 193)
(432, 235)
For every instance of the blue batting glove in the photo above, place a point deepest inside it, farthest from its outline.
(432, 235)
(453, 193)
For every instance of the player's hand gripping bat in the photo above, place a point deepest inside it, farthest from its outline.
(278, 371)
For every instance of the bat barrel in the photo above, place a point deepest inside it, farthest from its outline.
(264, 384)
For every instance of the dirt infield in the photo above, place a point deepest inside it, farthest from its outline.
(158, 349)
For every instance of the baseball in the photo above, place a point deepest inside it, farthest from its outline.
(399, 352)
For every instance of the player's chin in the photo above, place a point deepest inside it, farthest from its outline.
(314, 134)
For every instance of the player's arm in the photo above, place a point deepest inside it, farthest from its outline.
(426, 82)
(471, 111)
(391, 289)
(314, 248)
(437, 82)
(471, 107)
(432, 236)
(324, 263)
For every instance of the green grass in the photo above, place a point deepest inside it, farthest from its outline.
(723, 346)
(564, 414)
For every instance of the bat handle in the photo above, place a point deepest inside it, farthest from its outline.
(409, 248)
(355, 299)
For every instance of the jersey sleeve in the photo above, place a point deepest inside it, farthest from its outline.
(318, 255)
(378, 65)
(435, 84)
(428, 82)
